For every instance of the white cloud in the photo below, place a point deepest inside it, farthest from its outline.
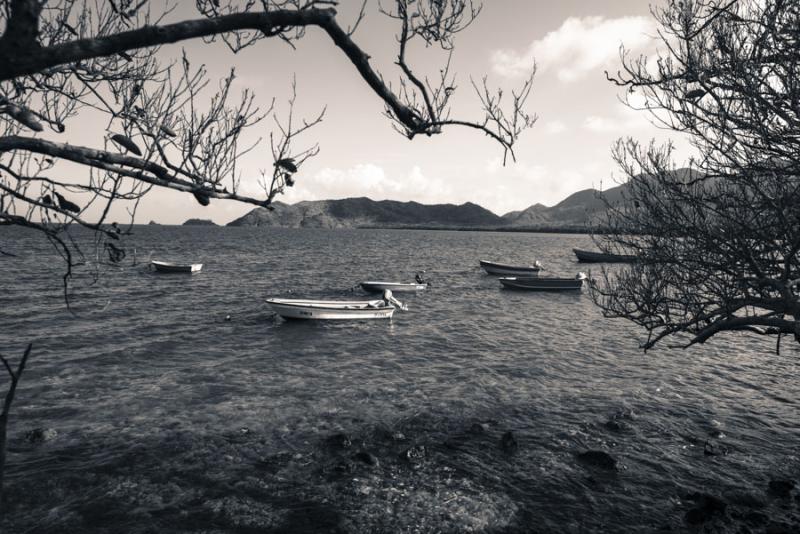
(627, 120)
(623, 118)
(368, 180)
(555, 127)
(579, 46)
(599, 124)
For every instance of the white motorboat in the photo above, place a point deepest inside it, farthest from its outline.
(337, 309)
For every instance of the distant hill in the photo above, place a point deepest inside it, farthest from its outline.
(578, 212)
(360, 212)
(199, 222)
(580, 209)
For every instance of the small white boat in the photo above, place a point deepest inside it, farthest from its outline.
(541, 283)
(503, 269)
(167, 267)
(396, 287)
(337, 309)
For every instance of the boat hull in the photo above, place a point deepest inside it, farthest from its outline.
(166, 267)
(588, 256)
(500, 269)
(542, 283)
(331, 310)
(394, 287)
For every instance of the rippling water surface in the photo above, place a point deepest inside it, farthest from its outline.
(170, 418)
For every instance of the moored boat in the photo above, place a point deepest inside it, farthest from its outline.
(588, 256)
(397, 287)
(502, 269)
(167, 267)
(337, 309)
(542, 283)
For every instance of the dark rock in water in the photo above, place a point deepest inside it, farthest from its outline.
(340, 441)
(479, 428)
(744, 498)
(698, 515)
(756, 519)
(710, 449)
(41, 435)
(388, 434)
(509, 443)
(617, 425)
(455, 442)
(343, 467)
(781, 488)
(600, 459)
(780, 528)
(707, 506)
(417, 452)
(367, 458)
(618, 421)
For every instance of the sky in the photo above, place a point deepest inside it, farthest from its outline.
(579, 112)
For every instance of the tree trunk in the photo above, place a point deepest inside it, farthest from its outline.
(3, 422)
(12, 389)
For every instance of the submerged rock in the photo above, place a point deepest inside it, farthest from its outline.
(600, 459)
(417, 452)
(756, 519)
(343, 467)
(710, 449)
(509, 443)
(744, 498)
(367, 457)
(340, 441)
(781, 488)
(618, 421)
(780, 528)
(41, 435)
(617, 425)
(707, 506)
(479, 428)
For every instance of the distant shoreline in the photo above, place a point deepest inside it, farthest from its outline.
(521, 230)
(524, 230)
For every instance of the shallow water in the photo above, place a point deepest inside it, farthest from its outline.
(170, 418)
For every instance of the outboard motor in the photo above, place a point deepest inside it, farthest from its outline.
(391, 301)
(581, 276)
(420, 278)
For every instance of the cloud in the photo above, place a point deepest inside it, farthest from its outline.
(580, 46)
(626, 120)
(368, 180)
(598, 124)
(555, 127)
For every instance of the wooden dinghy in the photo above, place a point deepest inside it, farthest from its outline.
(337, 309)
(588, 256)
(396, 287)
(541, 283)
(167, 267)
(502, 269)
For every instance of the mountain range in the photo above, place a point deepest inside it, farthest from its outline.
(576, 212)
